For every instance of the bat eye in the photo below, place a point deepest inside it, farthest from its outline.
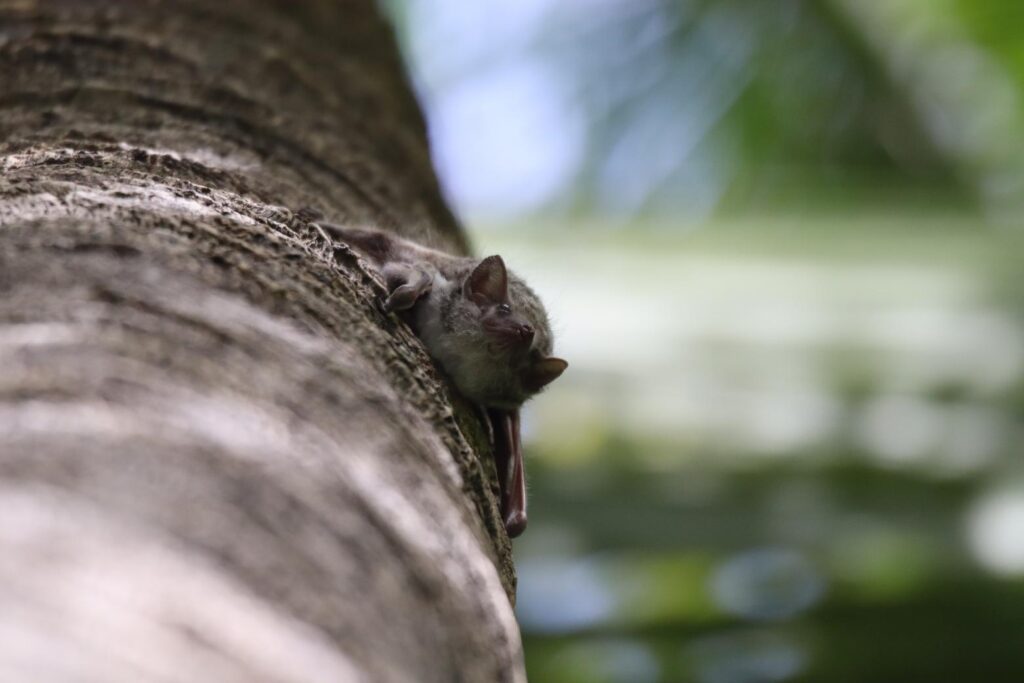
(504, 309)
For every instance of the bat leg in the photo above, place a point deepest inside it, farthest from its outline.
(406, 284)
(375, 245)
(508, 454)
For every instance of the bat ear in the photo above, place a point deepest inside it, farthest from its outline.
(488, 283)
(544, 372)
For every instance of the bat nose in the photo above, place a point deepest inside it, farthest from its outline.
(526, 333)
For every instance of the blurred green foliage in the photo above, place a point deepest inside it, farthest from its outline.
(643, 107)
(661, 555)
(781, 244)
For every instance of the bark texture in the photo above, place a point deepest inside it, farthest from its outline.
(219, 461)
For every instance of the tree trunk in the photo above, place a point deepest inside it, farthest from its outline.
(219, 460)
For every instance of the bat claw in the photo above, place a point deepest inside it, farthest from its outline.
(515, 523)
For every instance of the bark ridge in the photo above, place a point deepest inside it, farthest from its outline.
(219, 460)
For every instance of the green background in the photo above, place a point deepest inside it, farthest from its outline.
(781, 245)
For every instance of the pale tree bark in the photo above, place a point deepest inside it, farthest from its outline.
(219, 460)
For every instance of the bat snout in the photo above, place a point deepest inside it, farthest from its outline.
(525, 333)
(512, 335)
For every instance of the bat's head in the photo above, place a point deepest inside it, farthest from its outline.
(507, 354)
(509, 331)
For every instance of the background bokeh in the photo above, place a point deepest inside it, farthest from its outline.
(781, 242)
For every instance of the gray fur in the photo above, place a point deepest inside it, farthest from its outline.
(450, 324)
